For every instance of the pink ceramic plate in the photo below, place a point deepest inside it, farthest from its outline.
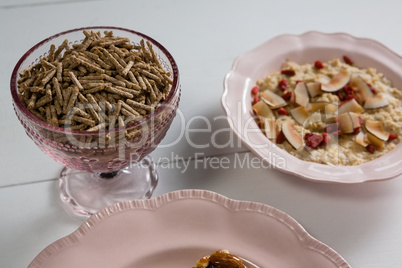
(306, 48)
(176, 229)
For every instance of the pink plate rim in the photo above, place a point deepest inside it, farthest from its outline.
(307, 47)
(101, 221)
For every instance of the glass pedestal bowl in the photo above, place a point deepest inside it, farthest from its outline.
(107, 166)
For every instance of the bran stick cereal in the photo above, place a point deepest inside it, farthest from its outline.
(103, 82)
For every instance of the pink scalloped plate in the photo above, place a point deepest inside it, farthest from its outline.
(306, 48)
(178, 228)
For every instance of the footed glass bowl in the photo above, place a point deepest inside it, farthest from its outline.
(106, 166)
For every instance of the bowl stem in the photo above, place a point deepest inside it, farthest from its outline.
(84, 193)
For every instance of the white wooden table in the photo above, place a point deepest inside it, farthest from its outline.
(362, 222)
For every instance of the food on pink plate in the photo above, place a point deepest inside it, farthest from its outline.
(220, 259)
(331, 112)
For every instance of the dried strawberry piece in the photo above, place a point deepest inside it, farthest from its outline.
(325, 139)
(350, 96)
(356, 130)
(370, 148)
(254, 90)
(256, 99)
(392, 137)
(347, 93)
(348, 89)
(282, 111)
(307, 135)
(347, 60)
(288, 72)
(280, 138)
(313, 140)
(341, 95)
(283, 85)
(318, 64)
(287, 96)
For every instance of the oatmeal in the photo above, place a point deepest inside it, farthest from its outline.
(332, 113)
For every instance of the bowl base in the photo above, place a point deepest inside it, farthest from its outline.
(84, 193)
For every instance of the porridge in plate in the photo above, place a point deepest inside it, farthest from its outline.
(331, 113)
